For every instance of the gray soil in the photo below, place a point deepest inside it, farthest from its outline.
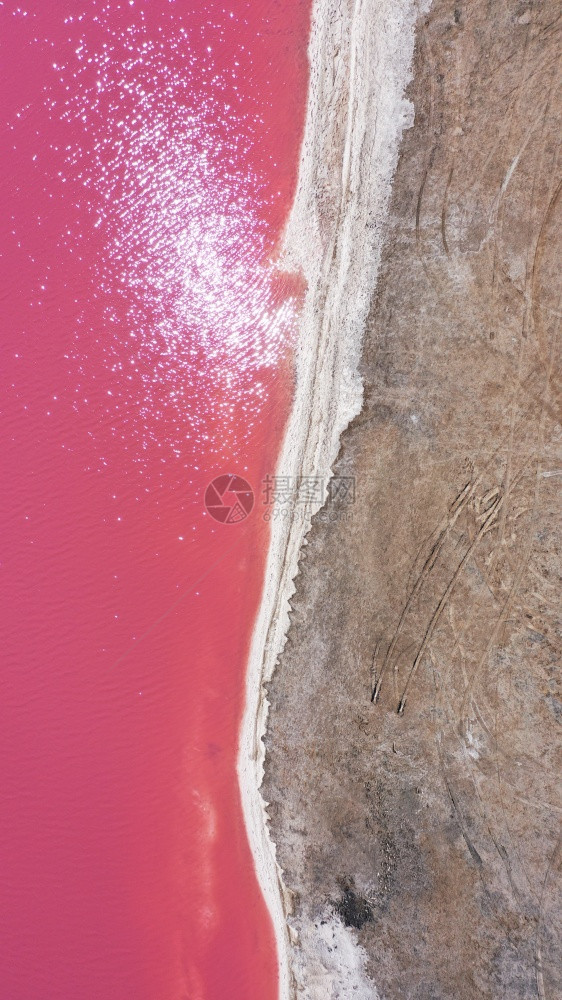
(413, 740)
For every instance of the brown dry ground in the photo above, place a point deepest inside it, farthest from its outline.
(435, 831)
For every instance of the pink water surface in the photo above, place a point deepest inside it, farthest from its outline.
(149, 160)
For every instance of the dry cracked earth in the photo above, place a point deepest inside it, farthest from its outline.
(413, 748)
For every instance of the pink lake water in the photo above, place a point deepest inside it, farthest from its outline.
(150, 152)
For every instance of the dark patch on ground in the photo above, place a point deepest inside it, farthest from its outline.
(353, 908)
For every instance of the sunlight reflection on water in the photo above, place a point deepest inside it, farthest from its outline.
(193, 305)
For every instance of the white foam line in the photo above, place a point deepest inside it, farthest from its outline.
(360, 55)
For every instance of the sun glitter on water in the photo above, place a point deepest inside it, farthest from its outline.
(190, 296)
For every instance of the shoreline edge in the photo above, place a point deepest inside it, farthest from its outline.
(360, 57)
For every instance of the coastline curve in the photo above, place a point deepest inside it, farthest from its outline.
(360, 54)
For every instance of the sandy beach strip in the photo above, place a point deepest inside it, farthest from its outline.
(360, 56)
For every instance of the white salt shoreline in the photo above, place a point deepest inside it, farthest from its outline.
(360, 56)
